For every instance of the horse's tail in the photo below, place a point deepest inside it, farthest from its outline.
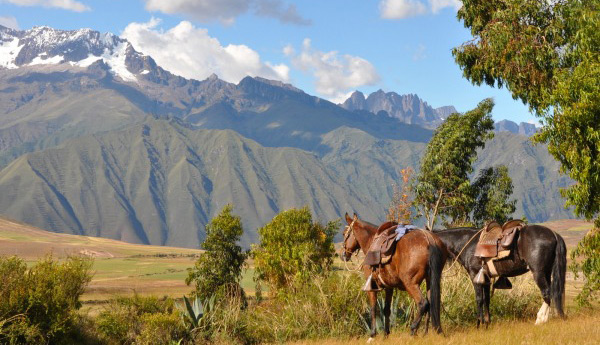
(436, 265)
(559, 268)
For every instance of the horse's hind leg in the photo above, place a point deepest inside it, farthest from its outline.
(422, 305)
(373, 303)
(428, 312)
(542, 279)
(387, 309)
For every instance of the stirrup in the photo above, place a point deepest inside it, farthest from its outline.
(502, 284)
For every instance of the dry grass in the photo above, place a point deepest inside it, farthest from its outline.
(578, 329)
(120, 268)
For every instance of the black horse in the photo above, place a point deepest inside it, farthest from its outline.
(538, 249)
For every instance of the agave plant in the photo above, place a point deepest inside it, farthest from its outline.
(194, 314)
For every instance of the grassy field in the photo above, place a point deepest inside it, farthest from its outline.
(123, 268)
(580, 329)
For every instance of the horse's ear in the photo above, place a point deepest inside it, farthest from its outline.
(348, 219)
(355, 216)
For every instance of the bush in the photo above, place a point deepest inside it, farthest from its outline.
(331, 306)
(141, 320)
(293, 248)
(160, 328)
(38, 305)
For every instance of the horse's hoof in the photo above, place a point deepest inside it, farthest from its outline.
(370, 340)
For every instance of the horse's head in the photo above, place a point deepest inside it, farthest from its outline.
(350, 244)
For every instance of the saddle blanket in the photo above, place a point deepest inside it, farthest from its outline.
(401, 230)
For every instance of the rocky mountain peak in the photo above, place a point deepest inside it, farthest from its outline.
(523, 128)
(408, 108)
(356, 101)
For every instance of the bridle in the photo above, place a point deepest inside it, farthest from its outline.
(349, 229)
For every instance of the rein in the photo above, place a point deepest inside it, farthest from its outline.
(462, 250)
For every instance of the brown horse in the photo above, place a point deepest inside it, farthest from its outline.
(418, 255)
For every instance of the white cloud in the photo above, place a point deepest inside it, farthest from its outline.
(9, 22)
(190, 52)
(335, 75)
(438, 5)
(536, 122)
(399, 9)
(227, 10)
(70, 5)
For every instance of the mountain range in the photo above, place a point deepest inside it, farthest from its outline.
(97, 139)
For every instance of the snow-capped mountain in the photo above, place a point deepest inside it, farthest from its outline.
(43, 45)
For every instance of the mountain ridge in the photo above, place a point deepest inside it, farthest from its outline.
(87, 151)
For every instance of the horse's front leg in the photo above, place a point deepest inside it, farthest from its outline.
(480, 299)
(486, 304)
(373, 303)
(389, 293)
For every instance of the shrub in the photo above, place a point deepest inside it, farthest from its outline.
(160, 328)
(331, 306)
(293, 248)
(588, 250)
(140, 320)
(39, 304)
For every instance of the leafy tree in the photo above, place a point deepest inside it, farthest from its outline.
(443, 187)
(547, 53)
(492, 190)
(293, 247)
(220, 266)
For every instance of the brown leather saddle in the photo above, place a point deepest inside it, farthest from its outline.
(383, 245)
(496, 239)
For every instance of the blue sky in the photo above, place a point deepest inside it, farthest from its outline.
(327, 48)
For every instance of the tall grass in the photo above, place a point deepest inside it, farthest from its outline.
(335, 307)
(327, 306)
(459, 306)
(331, 306)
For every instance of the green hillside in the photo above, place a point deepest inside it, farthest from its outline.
(160, 182)
(41, 110)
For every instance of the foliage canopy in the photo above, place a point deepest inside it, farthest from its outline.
(220, 266)
(492, 190)
(547, 53)
(443, 186)
(38, 304)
